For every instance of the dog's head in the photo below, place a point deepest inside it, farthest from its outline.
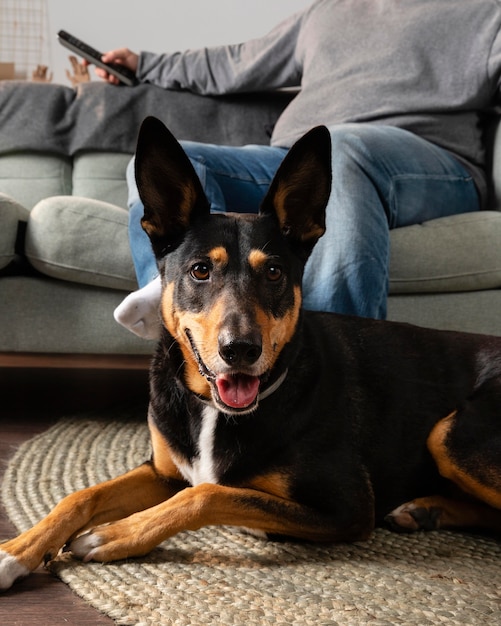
(231, 283)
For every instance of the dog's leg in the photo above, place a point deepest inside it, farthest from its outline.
(136, 490)
(437, 512)
(210, 505)
(466, 448)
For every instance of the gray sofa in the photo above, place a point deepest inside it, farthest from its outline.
(64, 254)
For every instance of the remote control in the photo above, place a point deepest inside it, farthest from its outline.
(124, 74)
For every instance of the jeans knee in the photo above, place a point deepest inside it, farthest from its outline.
(358, 144)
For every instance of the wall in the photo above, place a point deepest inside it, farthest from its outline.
(160, 25)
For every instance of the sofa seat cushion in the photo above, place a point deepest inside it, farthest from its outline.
(53, 316)
(449, 254)
(82, 241)
(11, 213)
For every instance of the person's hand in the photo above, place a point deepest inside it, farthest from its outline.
(122, 56)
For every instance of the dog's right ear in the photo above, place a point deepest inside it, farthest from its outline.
(168, 187)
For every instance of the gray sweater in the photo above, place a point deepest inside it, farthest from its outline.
(432, 67)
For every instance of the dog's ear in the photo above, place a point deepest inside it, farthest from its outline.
(300, 190)
(168, 186)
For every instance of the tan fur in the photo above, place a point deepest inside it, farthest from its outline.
(277, 332)
(448, 468)
(257, 259)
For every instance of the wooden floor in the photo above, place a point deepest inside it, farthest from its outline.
(31, 400)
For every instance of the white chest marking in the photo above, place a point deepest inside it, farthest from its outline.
(201, 469)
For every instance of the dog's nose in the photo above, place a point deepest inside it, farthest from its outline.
(238, 352)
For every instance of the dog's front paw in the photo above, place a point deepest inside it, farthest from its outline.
(85, 546)
(10, 570)
(109, 542)
(411, 517)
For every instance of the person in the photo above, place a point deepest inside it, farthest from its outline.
(402, 85)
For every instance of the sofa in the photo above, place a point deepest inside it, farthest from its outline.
(65, 262)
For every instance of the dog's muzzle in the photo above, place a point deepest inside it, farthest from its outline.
(236, 392)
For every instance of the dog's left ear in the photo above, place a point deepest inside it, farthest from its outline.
(168, 186)
(300, 190)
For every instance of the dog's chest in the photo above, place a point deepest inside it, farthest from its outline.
(202, 467)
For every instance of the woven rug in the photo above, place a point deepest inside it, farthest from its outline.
(223, 576)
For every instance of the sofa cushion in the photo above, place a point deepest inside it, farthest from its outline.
(458, 253)
(30, 177)
(82, 241)
(47, 315)
(101, 175)
(468, 311)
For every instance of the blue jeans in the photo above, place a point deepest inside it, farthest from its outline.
(382, 177)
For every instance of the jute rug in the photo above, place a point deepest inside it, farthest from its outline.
(222, 576)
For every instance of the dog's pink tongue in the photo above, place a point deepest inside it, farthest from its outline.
(237, 391)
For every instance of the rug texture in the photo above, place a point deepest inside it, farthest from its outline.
(223, 576)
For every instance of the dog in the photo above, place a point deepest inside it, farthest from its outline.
(293, 424)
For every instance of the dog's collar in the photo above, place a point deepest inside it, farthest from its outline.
(272, 388)
(264, 394)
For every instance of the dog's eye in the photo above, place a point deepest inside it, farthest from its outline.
(200, 271)
(274, 273)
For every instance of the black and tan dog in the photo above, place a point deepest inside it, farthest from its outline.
(295, 424)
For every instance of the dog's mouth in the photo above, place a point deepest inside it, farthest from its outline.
(238, 392)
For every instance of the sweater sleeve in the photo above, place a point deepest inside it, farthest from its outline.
(266, 63)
